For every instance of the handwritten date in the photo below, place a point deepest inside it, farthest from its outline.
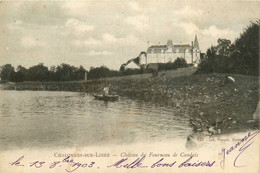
(38, 164)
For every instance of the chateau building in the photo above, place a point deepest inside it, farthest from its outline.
(170, 52)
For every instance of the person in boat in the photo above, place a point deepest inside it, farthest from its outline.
(106, 90)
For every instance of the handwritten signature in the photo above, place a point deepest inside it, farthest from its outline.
(246, 141)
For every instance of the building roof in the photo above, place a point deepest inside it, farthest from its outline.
(174, 47)
(132, 65)
(182, 45)
(181, 48)
(158, 46)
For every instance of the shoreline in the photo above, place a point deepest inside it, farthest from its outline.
(214, 105)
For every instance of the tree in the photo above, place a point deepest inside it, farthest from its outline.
(38, 73)
(65, 72)
(52, 73)
(246, 53)
(99, 72)
(79, 73)
(224, 47)
(6, 72)
(240, 57)
(21, 74)
(102, 72)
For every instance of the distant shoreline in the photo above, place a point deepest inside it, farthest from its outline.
(213, 105)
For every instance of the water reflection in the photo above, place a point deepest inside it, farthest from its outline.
(53, 119)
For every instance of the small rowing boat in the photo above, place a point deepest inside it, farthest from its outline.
(106, 97)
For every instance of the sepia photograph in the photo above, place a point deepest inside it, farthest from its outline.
(129, 86)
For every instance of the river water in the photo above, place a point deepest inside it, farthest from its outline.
(47, 119)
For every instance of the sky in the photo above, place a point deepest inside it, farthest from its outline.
(109, 33)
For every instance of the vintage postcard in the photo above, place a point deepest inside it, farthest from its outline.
(129, 86)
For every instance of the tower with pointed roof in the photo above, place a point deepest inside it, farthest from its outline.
(196, 43)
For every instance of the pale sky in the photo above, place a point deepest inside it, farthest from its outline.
(96, 33)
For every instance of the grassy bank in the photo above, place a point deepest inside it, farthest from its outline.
(213, 104)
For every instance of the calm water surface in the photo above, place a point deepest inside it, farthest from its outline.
(55, 119)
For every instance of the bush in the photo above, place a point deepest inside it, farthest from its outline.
(178, 63)
(167, 66)
(132, 71)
